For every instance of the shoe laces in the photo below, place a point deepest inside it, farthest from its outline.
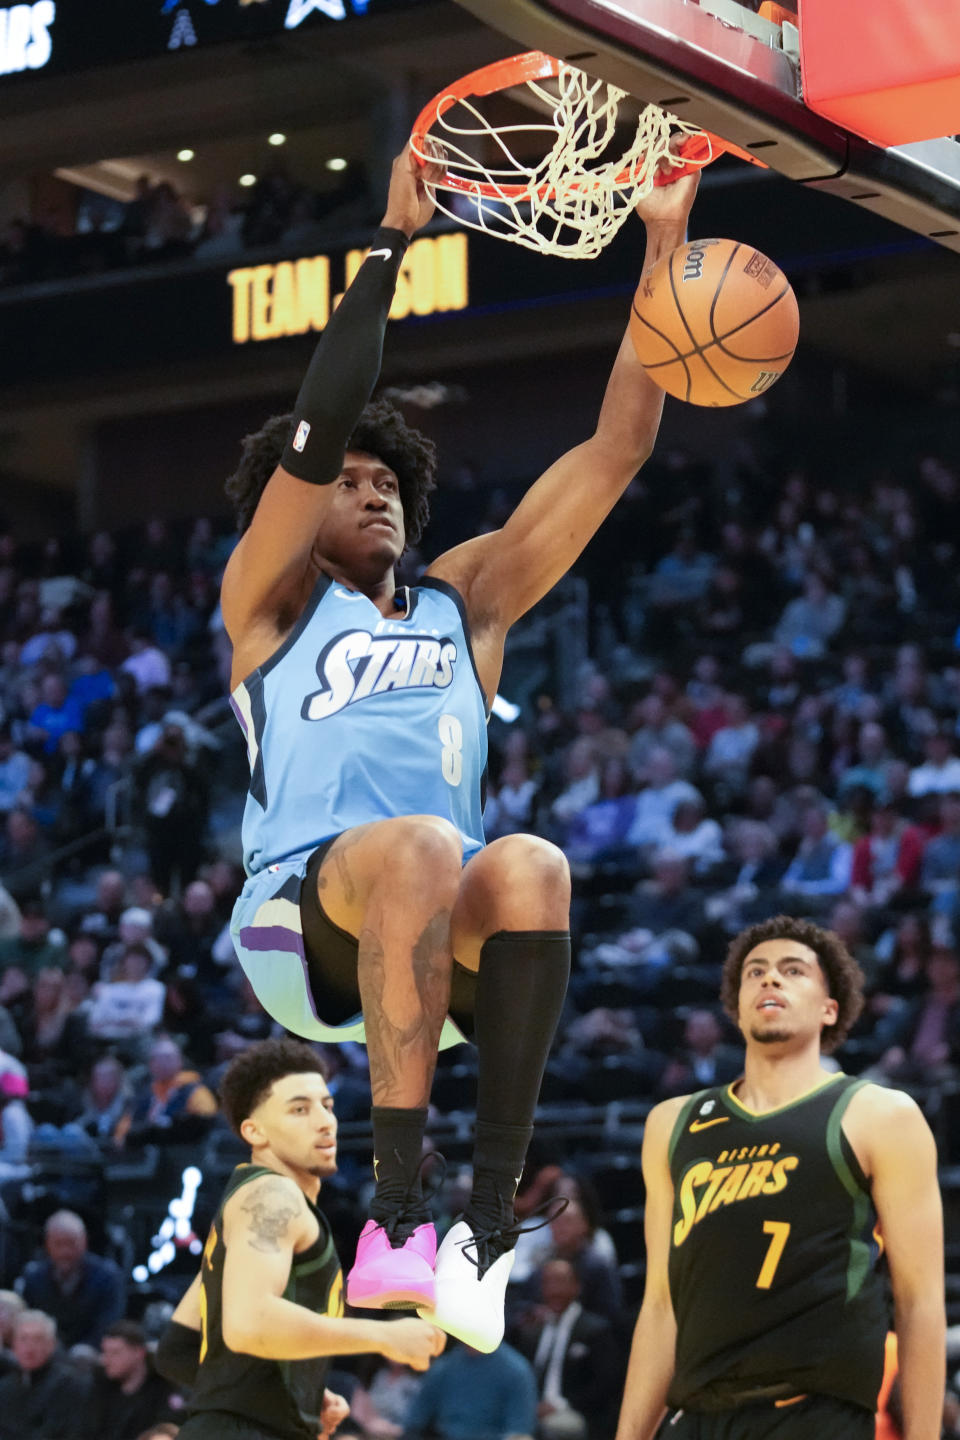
(413, 1205)
(488, 1239)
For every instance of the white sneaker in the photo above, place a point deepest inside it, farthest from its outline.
(469, 1305)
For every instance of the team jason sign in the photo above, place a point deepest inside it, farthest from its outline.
(25, 42)
(294, 296)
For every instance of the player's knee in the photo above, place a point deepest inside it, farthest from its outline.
(537, 868)
(428, 848)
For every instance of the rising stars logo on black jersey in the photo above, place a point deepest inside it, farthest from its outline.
(741, 1174)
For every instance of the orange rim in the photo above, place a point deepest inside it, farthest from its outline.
(699, 149)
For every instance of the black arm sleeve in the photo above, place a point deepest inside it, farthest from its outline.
(345, 366)
(177, 1356)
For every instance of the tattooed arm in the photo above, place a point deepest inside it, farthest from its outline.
(264, 1224)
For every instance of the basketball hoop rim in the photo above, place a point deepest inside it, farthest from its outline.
(518, 70)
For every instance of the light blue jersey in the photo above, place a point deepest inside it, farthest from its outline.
(356, 717)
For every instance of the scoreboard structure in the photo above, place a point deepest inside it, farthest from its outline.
(61, 37)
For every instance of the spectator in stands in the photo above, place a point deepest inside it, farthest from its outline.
(146, 662)
(128, 1395)
(56, 1044)
(705, 1058)
(940, 772)
(469, 1396)
(599, 831)
(809, 623)
(24, 854)
(940, 866)
(654, 728)
(45, 1398)
(667, 903)
(14, 769)
(381, 1406)
(83, 1292)
(708, 700)
(10, 1041)
(731, 749)
(658, 800)
(55, 714)
(572, 1240)
(923, 1037)
(887, 863)
(509, 809)
(103, 639)
(872, 761)
(106, 1103)
(756, 869)
(582, 775)
(128, 1008)
(11, 1305)
(821, 866)
(855, 687)
(103, 918)
(16, 1124)
(692, 834)
(135, 927)
(576, 1360)
(174, 795)
(682, 577)
(190, 929)
(173, 1106)
(168, 228)
(111, 767)
(38, 946)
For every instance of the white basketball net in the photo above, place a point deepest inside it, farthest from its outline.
(573, 201)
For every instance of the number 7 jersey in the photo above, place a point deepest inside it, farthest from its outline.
(773, 1253)
(360, 717)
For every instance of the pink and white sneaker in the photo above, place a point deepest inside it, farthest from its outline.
(388, 1277)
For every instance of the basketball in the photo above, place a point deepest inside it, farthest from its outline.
(715, 322)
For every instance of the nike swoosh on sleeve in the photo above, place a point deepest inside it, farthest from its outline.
(705, 1124)
(383, 254)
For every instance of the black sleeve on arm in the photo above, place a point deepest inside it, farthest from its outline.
(345, 366)
(177, 1356)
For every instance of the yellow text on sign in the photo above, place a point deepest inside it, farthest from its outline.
(271, 301)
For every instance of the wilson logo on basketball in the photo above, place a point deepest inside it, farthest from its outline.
(694, 258)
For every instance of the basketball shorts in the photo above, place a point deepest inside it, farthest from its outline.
(815, 1417)
(303, 967)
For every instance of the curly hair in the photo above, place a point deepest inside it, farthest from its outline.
(842, 973)
(381, 431)
(247, 1079)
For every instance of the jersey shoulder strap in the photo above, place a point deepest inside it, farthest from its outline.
(692, 1103)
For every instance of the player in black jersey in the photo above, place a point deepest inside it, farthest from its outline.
(768, 1203)
(254, 1333)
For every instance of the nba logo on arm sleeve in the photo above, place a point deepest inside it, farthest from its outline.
(300, 439)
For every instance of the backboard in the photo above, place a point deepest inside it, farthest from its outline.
(719, 65)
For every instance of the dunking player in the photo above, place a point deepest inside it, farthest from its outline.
(364, 708)
(764, 1316)
(254, 1333)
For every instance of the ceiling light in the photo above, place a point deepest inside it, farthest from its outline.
(337, 163)
(185, 155)
(247, 180)
(277, 138)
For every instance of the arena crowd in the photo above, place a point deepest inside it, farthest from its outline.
(768, 722)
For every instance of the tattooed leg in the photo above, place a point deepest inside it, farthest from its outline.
(405, 1000)
(394, 884)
